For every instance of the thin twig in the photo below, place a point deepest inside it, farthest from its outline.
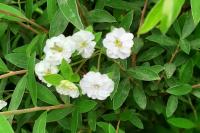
(174, 54)
(193, 108)
(12, 73)
(25, 19)
(117, 129)
(84, 19)
(23, 111)
(28, 27)
(99, 61)
(142, 15)
(170, 61)
(196, 86)
(134, 56)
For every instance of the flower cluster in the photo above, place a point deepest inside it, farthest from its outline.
(95, 85)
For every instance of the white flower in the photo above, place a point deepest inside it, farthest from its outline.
(2, 104)
(84, 43)
(68, 88)
(58, 48)
(96, 85)
(44, 68)
(118, 43)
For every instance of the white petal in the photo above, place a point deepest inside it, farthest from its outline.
(2, 104)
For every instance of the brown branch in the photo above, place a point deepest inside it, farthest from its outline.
(143, 14)
(174, 54)
(23, 111)
(80, 11)
(28, 27)
(196, 86)
(134, 56)
(117, 129)
(25, 19)
(170, 61)
(12, 73)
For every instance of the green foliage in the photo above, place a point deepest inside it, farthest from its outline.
(156, 89)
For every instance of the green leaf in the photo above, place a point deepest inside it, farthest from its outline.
(97, 36)
(163, 40)
(186, 71)
(114, 74)
(185, 46)
(181, 89)
(140, 97)
(3, 67)
(136, 121)
(188, 26)
(49, 97)
(138, 44)
(51, 9)
(170, 68)
(170, 11)
(58, 24)
(18, 59)
(121, 94)
(53, 79)
(29, 8)
(70, 11)
(17, 95)
(66, 70)
(172, 105)
(151, 53)
(3, 28)
(153, 17)
(143, 73)
(92, 120)
(123, 5)
(99, 15)
(107, 127)
(5, 126)
(56, 115)
(196, 93)
(195, 44)
(40, 124)
(181, 123)
(127, 20)
(32, 87)
(84, 106)
(195, 5)
(75, 121)
(10, 10)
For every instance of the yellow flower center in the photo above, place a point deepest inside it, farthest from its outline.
(118, 43)
(57, 48)
(84, 44)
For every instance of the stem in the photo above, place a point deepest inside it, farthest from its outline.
(196, 86)
(174, 54)
(80, 66)
(134, 56)
(84, 19)
(12, 73)
(193, 108)
(99, 61)
(28, 27)
(23, 111)
(142, 16)
(117, 129)
(25, 19)
(170, 61)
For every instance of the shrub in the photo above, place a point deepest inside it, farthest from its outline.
(108, 66)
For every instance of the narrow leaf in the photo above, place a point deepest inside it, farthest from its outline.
(179, 90)
(40, 124)
(172, 105)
